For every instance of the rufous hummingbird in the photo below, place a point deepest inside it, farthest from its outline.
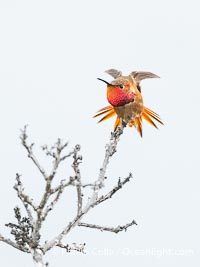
(124, 95)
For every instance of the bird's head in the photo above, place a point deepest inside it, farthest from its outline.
(121, 91)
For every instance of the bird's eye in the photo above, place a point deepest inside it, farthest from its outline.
(121, 86)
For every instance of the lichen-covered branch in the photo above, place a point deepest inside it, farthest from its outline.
(44, 208)
(111, 148)
(22, 230)
(13, 244)
(75, 165)
(72, 247)
(109, 229)
(27, 230)
(93, 200)
(25, 199)
(114, 190)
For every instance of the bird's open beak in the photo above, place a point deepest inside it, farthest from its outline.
(104, 81)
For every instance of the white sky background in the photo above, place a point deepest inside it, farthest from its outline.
(51, 53)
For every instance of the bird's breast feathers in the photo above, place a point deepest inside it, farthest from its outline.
(118, 97)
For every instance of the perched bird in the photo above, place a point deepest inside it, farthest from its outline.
(124, 95)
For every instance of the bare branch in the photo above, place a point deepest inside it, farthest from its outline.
(75, 165)
(63, 184)
(13, 244)
(113, 191)
(59, 147)
(88, 185)
(73, 247)
(58, 190)
(93, 200)
(26, 200)
(29, 149)
(54, 152)
(52, 204)
(77, 219)
(40, 213)
(58, 239)
(111, 148)
(37, 256)
(27, 231)
(109, 229)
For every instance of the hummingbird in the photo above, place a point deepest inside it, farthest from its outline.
(125, 98)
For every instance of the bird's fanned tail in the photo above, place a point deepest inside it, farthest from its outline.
(146, 114)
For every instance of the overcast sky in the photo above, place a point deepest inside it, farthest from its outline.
(51, 53)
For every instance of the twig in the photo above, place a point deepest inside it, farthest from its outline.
(29, 149)
(56, 151)
(88, 185)
(58, 190)
(63, 184)
(113, 191)
(59, 147)
(26, 200)
(73, 247)
(109, 229)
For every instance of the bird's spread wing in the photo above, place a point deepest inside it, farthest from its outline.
(114, 73)
(141, 75)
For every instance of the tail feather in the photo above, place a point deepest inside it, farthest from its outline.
(151, 114)
(147, 118)
(101, 113)
(108, 111)
(138, 124)
(108, 116)
(103, 110)
(118, 122)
